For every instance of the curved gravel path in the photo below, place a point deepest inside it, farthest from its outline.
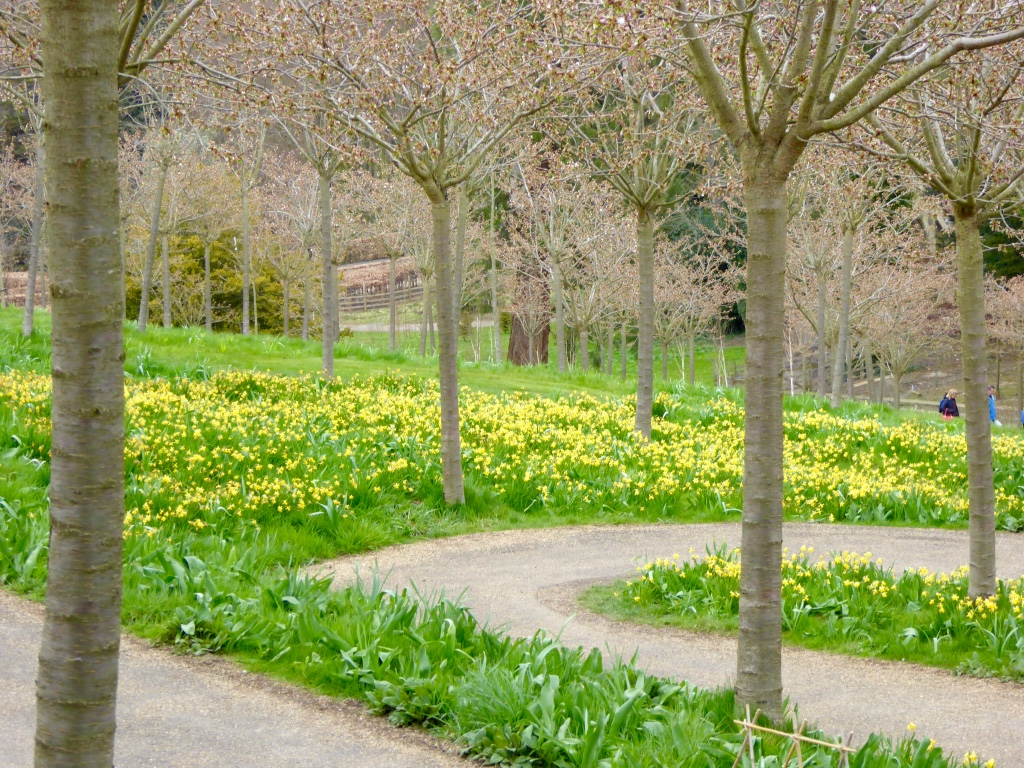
(207, 712)
(528, 580)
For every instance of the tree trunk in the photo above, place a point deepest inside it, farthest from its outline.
(529, 349)
(759, 653)
(286, 309)
(850, 361)
(247, 252)
(691, 353)
(165, 268)
(556, 292)
(897, 390)
(255, 314)
(977, 429)
(3, 274)
(330, 277)
(1020, 386)
(35, 247)
(494, 284)
(154, 231)
(76, 682)
(392, 304)
(426, 317)
(623, 345)
(664, 361)
(430, 326)
(307, 284)
(448, 331)
(842, 347)
(645, 326)
(609, 344)
(821, 334)
(460, 252)
(207, 289)
(124, 268)
(585, 348)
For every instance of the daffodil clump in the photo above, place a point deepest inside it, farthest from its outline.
(850, 603)
(262, 448)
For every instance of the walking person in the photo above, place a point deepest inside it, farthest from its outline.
(948, 407)
(992, 407)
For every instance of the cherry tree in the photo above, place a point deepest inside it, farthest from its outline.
(774, 75)
(637, 131)
(434, 87)
(960, 132)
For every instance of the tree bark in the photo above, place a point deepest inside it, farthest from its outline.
(286, 309)
(692, 343)
(585, 348)
(897, 390)
(821, 334)
(645, 326)
(1020, 386)
(460, 251)
(392, 304)
(448, 331)
(154, 232)
(124, 268)
(207, 289)
(431, 327)
(35, 247)
(76, 682)
(556, 293)
(842, 347)
(307, 284)
(978, 430)
(623, 344)
(330, 278)
(759, 653)
(165, 264)
(3, 274)
(247, 253)
(494, 283)
(426, 317)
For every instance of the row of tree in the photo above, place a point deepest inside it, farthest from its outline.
(659, 102)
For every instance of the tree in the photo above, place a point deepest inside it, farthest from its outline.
(84, 54)
(15, 205)
(692, 295)
(908, 321)
(77, 677)
(244, 155)
(296, 202)
(775, 74)
(959, 131)
(1006, 302)
(161, 147)
(601, 243)
(212, 213)
(638, 133)
(433, 87)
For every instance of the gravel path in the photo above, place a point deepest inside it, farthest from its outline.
(527, 580)
(207, 712)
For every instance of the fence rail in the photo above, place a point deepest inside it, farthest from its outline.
(365, 302)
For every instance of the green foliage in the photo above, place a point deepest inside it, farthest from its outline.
(845, 603)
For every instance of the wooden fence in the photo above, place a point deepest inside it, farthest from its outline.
(363, 301)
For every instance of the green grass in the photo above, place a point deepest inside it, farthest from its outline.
(172, 351)
(846, 604)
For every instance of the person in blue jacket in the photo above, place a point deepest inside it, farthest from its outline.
(992, 406)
